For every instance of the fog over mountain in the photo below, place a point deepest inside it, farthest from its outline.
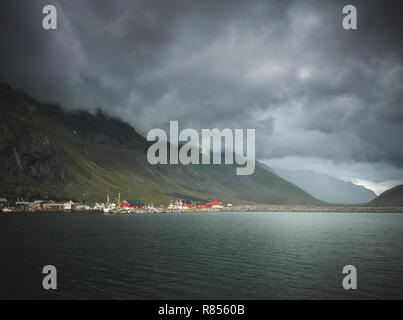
(320, 97)
(327, 188)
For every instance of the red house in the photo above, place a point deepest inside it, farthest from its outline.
(132, 204)
(210, 204)
(215, 203)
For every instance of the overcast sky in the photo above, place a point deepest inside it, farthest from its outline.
(319, 97)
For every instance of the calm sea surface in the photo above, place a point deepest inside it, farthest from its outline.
(202, 255)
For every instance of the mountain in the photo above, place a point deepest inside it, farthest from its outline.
(327, 188)
(47, 152)
(390, 198)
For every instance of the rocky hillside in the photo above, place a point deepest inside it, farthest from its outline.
(46, 152)
(30, 161)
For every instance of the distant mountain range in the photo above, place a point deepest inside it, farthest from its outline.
(390, 198)
(46, 152)
(326, 187)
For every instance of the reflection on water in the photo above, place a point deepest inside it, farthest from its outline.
(202, 255)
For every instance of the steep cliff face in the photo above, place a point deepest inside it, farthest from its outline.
(96, 128)
(48, 152)
(29, 160)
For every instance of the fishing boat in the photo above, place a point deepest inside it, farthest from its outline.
(109, 208)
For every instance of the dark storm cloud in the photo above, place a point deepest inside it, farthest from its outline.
(286, 68)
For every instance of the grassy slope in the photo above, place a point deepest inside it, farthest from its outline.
(96, 168)
(390, 198)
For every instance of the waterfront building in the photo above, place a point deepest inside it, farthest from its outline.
(132, 204)
(215, 204)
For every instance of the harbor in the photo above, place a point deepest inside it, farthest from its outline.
(117, 206)
(177, 206)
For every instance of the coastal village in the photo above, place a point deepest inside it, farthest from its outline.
(139, 207)
(110, 207)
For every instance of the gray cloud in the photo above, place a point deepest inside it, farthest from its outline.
(286, 68)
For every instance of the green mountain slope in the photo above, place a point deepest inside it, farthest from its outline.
(47, 152)
(390, 198)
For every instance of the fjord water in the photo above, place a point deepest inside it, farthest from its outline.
(202, 255)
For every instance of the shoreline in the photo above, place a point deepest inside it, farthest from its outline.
(310, 208)
(236, 208)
